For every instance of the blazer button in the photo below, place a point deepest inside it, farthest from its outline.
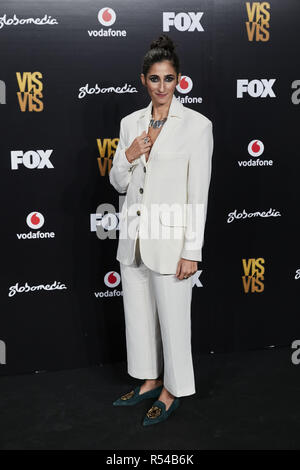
(141, 190)
(144, 169)
(138, 212)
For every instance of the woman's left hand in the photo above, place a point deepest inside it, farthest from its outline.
(186, 268)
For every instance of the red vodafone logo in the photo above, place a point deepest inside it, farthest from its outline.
(255, 148)
(107, 16)
(35, 220)
(112, 279)
(185, 85)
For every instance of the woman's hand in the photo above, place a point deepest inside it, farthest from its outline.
(138, 147)
(186, 268)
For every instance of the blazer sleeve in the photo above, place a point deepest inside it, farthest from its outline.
(198, 181)
(121, 170)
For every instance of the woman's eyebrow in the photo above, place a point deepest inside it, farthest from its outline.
(167, 75)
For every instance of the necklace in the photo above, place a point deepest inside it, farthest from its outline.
(158, 123)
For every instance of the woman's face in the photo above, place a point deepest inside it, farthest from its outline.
(161, 81)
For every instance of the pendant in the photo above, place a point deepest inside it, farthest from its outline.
(158, 123)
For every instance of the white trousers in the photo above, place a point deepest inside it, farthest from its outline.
(157, 310)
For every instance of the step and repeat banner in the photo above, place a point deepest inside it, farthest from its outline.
(70, 70)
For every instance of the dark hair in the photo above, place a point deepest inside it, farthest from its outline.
(161, 49)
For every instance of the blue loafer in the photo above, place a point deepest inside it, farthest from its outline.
(133, 397)
(158, 413)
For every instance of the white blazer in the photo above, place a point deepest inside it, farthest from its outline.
(178, 173)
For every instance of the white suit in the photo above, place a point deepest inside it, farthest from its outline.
(177, 172)
(157, 305)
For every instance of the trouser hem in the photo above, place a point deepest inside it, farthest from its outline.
(144, 375)
(150, 375)
(180, 393)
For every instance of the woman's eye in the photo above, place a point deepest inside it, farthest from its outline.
(167, 79)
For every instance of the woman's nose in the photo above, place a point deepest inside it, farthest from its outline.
(161, 87)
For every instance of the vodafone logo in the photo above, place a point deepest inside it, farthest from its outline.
(35, 220)
(112, 279)
(255, 148)
(185, 85)
(107, 16)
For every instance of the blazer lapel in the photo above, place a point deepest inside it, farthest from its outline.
(175, 115)
(143, 123)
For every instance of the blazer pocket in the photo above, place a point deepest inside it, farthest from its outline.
(172, 219)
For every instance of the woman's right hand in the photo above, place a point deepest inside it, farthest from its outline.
(138, 147)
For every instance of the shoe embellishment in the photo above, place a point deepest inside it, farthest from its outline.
(127, 395)
(154, 412)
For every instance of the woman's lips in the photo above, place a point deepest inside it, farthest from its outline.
(161, 94)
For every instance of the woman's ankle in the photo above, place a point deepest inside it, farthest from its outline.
(152, 383)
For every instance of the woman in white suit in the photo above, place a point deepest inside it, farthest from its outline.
(163, 164)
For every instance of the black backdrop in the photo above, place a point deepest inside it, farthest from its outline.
(61, 293)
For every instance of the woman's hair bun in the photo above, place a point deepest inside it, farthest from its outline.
(162, 48)
(163, 42)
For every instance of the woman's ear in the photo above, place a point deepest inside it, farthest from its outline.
(143, 79)
(178, 78)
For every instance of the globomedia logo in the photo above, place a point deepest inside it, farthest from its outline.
(235, 215)
(255, 149)
(107, 17)
(16, 21)
(184, 87)
(86, 90)
(25, 288)
(35, 220)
